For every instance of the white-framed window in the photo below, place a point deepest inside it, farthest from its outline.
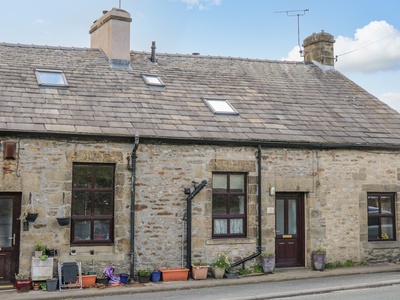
(54, 78)
(220, 106)
(153, 80)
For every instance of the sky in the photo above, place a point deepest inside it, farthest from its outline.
(367, 32)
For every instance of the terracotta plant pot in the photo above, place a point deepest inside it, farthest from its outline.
(88, 280)
(199, 272)
(174, 274)
(23, 285)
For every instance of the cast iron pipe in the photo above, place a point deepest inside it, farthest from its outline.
(189, 222)
(132, 168)
(258, 252)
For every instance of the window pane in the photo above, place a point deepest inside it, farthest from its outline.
(81, 200)
(236, 225)
(104, 177)
(82, 176)
(237, 183)
(51, 78)
(280, 217)
(102, 203)
(219, 204)
(386, 205)
(82, 230)
(237, 205)
(102, 230)
(387, 228)
(373, 228)
(220, 226)
(6, 217)
(292, 215)
(220, 183)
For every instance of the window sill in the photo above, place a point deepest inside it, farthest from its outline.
(231, 241)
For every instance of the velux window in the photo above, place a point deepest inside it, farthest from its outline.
(381, 221)
(220, 106)
(229, 196)
(152, 80)
(92, 204)
(54, 78)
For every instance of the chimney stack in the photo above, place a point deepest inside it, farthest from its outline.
(319, 47)
(111, 33)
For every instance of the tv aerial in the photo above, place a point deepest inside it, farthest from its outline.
(295, 13)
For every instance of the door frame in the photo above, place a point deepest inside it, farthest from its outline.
(16, 229)
(300, 209)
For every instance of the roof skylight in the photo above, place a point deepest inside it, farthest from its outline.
(220, 106)
(51, 77)
(152, 80)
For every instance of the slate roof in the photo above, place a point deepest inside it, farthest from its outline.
(277, 101)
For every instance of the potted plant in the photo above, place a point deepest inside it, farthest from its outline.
(220, 265)
(39, 248)
(199, 270)
(23, 282)
(268, 262)
(319, 259)
(174, 274)
(144, 275)
(102, 279)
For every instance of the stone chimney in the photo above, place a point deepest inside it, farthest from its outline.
(319, 47)
(111, 33)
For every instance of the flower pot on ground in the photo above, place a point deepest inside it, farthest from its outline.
(51, 284)
(319, 259)
(102, 280)
(231, 275)
(124, 278)
(144, 275)
(88, 280)
(23, 283)
(199, 270)
(174, 274)
(218, 273)
(155, 276)
(268, 262)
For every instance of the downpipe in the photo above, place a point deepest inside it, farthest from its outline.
(189, 222)
(132, 168)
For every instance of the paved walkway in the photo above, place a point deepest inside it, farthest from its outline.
(132, 288)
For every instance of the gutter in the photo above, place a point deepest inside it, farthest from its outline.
(132, 168)
(268, 144)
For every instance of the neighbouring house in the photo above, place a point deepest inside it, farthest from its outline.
(162, 159)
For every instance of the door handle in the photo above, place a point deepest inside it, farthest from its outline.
(12, 238)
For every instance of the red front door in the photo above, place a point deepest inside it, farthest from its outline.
(289, 226)
(10, 204)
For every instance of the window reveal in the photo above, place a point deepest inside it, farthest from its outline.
(381, 221)
(229, 205)
(92, 204)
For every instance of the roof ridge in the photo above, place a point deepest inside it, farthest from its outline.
(47, 47)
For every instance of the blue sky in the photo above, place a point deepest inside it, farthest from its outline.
(367, 30)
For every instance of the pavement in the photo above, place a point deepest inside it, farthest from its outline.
(278, 275)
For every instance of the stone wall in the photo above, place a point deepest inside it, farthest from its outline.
(335, 184)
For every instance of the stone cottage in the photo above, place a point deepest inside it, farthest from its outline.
(163, 159)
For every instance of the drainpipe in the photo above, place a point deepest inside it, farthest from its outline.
(189, 222)
(132, 168)
(259, 181)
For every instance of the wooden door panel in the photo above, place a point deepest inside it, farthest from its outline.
(289, 239)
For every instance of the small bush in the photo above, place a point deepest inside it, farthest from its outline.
(258, 269)
(244, 272)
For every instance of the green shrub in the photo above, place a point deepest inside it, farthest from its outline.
(244, 272)
(258, 269)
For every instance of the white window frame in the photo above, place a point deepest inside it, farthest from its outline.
(40, 81)
(214, 104)
(153, 80)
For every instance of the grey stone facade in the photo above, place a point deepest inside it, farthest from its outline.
(335, 184)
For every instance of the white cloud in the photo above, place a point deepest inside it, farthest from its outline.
(391, 99)
(375, 47)
(201, 4)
